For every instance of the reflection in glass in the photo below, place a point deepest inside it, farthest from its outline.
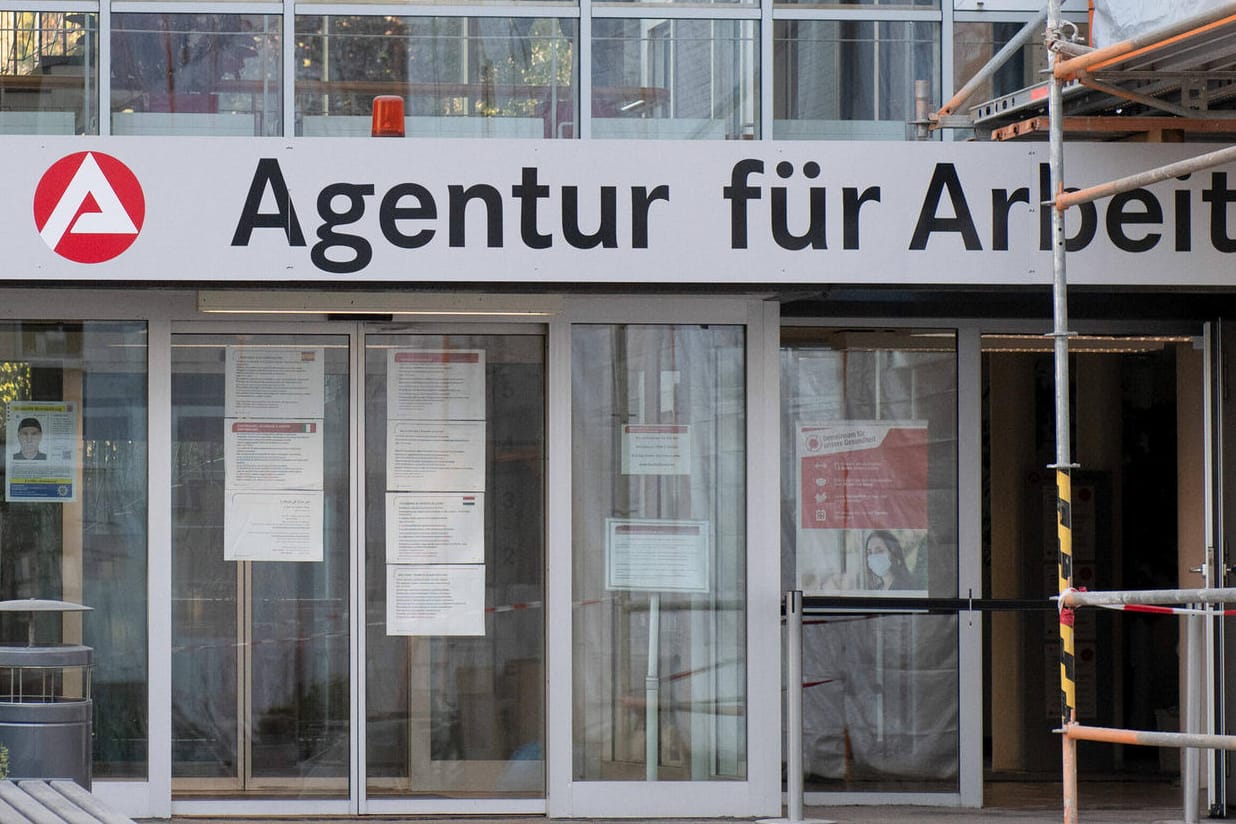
(260, 652)
(459, 76)
(49, 69)
(457, 715)
(881, 714)
(869, 507)
(659, 535)
(850, 79)
(974, 44)
(196, 74)
(91, 550)
(674, 79)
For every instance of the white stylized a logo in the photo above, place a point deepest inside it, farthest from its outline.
(89, 182)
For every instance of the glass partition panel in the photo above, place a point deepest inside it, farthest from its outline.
(459, 76)
(196, 74)
(73, 515)
(49, 70)
(659, 546)
(676, 78)
(260, 565)
(869, 508)
(455, 565)
(850, 79)
(883, 5)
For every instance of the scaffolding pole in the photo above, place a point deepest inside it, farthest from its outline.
(1064, 460)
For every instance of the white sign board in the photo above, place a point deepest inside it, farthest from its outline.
(435, 599)
(272, 455)
(273, 526)
(435, 456)
(435, 385)
(424, 528)
(274, 382)
(656, 449)
(338, 210)
(657, 555)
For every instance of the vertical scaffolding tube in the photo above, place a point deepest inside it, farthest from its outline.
(1064, 461)
(1194, 628)
(794, 705)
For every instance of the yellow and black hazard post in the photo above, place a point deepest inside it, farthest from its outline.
(1064, 531)
(1068, 667)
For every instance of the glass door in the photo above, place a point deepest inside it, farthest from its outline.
(454, 563)
(449, 437)
(869, 456)
(260, 560)
(660, 552)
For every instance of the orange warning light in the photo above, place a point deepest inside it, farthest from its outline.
(387, 116)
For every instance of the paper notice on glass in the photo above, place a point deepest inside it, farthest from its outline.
(435, 456)
(863, 475)
(41, 458)
(656, 449)
(658, 556)
(428, 528)
(273, 526)
(435, 599)
(275, 382)
(435, 385)
(272, 455)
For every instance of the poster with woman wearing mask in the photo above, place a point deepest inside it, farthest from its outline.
(862, 508)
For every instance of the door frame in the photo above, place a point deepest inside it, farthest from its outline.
(760, 793)
(357, 801)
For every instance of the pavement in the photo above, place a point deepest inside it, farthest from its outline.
(1111, 802)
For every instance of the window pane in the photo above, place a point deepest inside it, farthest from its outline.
(459, 76)
(674, 78)
(48, 73)
(196, 74)
(882, 712)
(869, 507)
(881, 4)
(260, 565)
(451, 712)
(85, 386)
(896, 394)
(977, 43)
(659, 501)
(850, 80)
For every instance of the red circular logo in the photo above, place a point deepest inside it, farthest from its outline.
(89, 207)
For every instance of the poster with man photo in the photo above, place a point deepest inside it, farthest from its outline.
(862, 507)
(39, 456)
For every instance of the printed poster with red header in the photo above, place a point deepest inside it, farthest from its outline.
(863, 475)
(273, 438)
(862, 507)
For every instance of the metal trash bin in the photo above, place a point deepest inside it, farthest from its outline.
(45, 706)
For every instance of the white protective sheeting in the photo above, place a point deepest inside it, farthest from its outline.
(1117, 20)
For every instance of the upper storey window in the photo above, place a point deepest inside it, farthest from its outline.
(196, 74)
(459, 76)
(49, 72)
(851, 79)
(675, 78)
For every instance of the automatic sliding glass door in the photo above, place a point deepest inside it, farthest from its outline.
(260, 560)
(454, 564)
(263, 564)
